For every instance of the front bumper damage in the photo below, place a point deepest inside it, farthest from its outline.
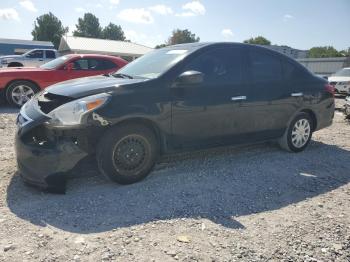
(45, 153)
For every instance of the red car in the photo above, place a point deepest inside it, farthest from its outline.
(18, 85)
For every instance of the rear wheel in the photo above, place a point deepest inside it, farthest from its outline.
(20, 92)
(298, 134)
(126, 154)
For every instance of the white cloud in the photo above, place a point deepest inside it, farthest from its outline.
(9, 14)
(27, 4)
(80, 10)
(287, 17)
(195, 7)
(161, 9)
(137, 16)
(114, 2)
(227, 33)
(185, 14)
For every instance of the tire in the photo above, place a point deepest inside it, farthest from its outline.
(126, 154)
(20, 92)
(290, 139)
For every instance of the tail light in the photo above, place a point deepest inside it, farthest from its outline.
(330, 89)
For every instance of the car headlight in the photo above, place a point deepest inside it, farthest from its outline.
(71, 113)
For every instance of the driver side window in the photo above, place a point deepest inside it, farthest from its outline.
(222, 66)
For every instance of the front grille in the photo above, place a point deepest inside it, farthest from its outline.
(48, 102)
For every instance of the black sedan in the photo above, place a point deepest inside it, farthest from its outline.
(177, 98)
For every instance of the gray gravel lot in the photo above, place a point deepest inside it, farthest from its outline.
(252, 203)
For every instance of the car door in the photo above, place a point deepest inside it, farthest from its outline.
(271, 104)
(210, 112)
(35, 58)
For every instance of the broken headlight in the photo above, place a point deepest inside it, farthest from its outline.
(71, 113)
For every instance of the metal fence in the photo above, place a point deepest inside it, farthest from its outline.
(325, 66)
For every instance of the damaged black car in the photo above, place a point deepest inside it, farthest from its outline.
(176, 98)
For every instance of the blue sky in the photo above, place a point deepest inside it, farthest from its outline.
(298, 23)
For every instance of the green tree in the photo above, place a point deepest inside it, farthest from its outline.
(345, 52)
(88, 26)
(324, 51)
(259, 40)
(48, 27)
(182, 36)
(113, 32)
(160, 46)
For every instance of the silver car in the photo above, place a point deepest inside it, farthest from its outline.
(32, 58)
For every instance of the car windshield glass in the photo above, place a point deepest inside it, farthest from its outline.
(55, 63)
(154, 63)
(343, 72)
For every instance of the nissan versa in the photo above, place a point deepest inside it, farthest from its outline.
(181, 97)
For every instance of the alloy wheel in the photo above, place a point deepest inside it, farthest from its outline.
(301, 133)
(21, 94)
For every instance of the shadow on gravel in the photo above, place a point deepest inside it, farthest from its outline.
(217, 184)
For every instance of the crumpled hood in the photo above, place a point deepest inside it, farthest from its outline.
(86, 86)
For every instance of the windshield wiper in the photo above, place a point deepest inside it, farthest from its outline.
(120, 75)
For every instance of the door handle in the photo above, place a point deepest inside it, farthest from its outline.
(297, 94)
(238, 98)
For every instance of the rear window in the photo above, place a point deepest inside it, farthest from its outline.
(264, 67)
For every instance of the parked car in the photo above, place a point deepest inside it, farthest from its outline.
(32, 58)
(341, 81)
(177, 98)
(347, 107)
(18, 85)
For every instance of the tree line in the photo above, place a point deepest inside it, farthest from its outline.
(48, 27)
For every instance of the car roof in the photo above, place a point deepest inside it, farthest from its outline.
(92, 56)
(198, 45)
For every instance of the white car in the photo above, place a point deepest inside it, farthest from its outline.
(33, 58)
(341, 81)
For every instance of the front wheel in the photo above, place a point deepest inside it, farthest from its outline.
(127, 154)
(298, 135)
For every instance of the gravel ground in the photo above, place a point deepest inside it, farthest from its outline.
(254, 203)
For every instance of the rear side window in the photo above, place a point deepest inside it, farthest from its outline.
(293, 72)
(264, 67)
(50, 54)
(102, 64)
(220, 67)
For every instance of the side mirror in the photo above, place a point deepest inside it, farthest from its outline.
(190, 78)
(69, 67)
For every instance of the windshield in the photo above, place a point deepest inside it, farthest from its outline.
(55, 63)
(154, 63)
(343, 72)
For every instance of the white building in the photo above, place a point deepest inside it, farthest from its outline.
(291, 52)
(83, 45)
